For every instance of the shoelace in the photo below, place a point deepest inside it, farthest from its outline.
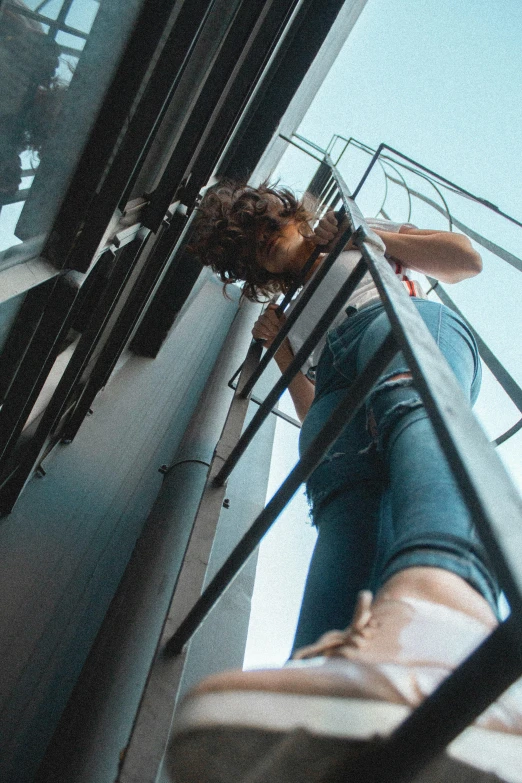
(358, 633)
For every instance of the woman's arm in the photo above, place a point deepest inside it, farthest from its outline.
(301, 389)
(442, 254)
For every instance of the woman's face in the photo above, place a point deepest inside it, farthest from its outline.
(286, 251)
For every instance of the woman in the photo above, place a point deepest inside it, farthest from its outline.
(390, 518)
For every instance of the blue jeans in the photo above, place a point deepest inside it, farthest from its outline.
(383, 498)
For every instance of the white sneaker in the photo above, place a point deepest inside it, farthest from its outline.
(347, 689)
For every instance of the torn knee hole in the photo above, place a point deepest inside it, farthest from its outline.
(399, 376)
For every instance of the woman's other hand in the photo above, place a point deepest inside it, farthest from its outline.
(301, 389)
(268, 325)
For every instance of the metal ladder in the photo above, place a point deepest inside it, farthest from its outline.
(484, 483)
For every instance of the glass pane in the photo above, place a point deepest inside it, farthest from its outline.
(82, 14)
(48, 8)
(50, 94)
(68, 41)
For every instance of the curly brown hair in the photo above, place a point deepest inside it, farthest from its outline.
(235, 223)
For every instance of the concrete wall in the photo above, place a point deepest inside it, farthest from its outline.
(99, 717)
(65, 546)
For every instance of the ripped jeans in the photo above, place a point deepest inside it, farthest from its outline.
(383, 499)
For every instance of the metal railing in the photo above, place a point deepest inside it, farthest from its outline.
(485, 485)
(403, 170)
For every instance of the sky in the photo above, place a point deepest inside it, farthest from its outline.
(441, 81)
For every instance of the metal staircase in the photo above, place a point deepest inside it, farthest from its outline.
(486, 487)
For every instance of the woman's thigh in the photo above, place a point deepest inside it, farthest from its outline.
(449, 332)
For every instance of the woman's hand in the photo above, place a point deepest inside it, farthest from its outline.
(301, 389)
(327, 231)
(266, 328)
(268, 325)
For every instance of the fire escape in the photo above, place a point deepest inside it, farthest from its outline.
(154, 102)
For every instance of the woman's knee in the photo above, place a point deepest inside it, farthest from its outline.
(389, 404)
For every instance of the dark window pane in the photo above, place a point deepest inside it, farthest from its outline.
(57, 59)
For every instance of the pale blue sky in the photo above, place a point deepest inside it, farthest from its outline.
(440, 80)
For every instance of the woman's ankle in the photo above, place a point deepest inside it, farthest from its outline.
(438, 586)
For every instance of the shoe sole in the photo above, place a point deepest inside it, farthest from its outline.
(221, 737)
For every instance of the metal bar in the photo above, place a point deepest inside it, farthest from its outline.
(250, 65)
(342, 414)
(388, 178)
(151, 728)
(480, 200)
(310, 144)
(495, 664)
(67, 244)
(259, 401)
(120, 334)
(319, 179)
(509, 257)
(367, 172)
(330, 194)
(446, 181)
(276, 412)
(307, 152)
(302, 277)
(508, 433)
(301, 356)
(64, 10)
(500, 252)
(53, 24)
(160, 256)
(437, 190)
(20, 195)
(217, 86)
(20, 334)
(165, 80)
